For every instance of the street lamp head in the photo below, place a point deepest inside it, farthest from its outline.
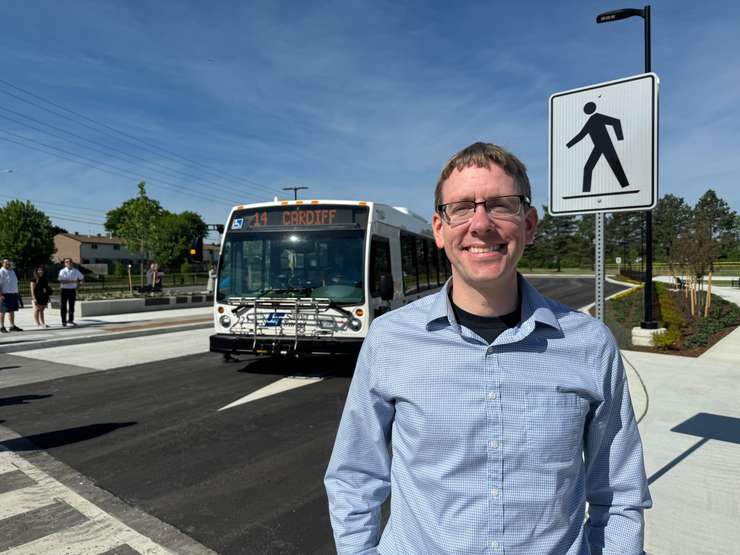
(616, 15)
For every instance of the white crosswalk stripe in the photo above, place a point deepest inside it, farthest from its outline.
(101, 531)
(23, 500)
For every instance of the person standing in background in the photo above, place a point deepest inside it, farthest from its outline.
(69, 277)
(9, 296)
(40, 293)
(212, 275)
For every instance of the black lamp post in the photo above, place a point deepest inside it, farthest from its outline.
(606, 17)
(295, 191)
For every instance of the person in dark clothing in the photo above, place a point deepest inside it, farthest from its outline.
(40, 293)
(69, 277)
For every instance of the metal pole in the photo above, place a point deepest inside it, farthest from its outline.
(599, 266)
(295, 191)
(648, 323)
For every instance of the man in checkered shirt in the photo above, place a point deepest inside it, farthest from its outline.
(489, 414)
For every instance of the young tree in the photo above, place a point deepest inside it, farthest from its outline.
(138, 224)
(26, 235)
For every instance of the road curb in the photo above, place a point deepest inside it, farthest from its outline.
(81, 340)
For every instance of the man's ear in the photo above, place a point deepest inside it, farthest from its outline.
(530, 225)
(437, 225)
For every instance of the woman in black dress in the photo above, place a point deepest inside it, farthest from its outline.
(40, 292)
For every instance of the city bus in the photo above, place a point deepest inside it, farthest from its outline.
(304, 277)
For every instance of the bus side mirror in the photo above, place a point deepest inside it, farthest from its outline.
(386, 287)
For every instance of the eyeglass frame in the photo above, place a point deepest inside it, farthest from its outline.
(524, 201)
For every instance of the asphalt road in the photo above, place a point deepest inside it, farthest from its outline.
(247, 479)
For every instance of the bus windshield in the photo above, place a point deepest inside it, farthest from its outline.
(316, 263)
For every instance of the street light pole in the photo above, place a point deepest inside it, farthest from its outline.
(295, 191)
(606, 17)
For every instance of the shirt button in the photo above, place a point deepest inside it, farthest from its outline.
(493, 444)
(490, 350)
(495, 492)
(492, 395)
(494, 545)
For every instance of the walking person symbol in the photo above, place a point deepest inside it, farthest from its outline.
(596, 128)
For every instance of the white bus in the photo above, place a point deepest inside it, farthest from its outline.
(309, 276)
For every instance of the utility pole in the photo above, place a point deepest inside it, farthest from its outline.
(295, 191)
(606, 17)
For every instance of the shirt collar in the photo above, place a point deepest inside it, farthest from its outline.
(535, 309)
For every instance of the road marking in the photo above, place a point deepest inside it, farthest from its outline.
(280, 386)
(100, 531)
(23, 500)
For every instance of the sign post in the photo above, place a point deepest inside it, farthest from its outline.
(604, 154)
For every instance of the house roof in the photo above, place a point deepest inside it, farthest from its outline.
(99, 239)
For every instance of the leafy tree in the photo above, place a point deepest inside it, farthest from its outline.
(582, 245)
(671, 217)
(138, 224)
(554, 234)
(624, 235)
(719, 221)
(26, 235)
(174, 235)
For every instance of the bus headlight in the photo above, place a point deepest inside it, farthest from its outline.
(225, 321)
(355, 324)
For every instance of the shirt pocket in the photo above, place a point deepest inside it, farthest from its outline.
(555, 425)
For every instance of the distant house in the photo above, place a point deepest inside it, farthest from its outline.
(97, 252)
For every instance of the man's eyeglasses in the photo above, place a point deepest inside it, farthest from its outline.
(456, 213)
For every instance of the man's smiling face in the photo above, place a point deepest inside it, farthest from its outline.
(484, 252)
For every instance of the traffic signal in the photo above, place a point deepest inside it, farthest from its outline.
(195, 253)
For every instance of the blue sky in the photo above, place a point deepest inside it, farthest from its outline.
(219, 103)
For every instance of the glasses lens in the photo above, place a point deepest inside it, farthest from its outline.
(503, 206)
(460, 211)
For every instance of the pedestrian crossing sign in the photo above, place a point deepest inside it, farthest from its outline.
(604, 147)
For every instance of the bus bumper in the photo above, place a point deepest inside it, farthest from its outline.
(239, 344)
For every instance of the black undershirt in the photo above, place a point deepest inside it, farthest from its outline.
(488, 327)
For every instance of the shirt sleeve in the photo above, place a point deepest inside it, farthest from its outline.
(358, 477)
(616, 484)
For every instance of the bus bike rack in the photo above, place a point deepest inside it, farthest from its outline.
(296, 306)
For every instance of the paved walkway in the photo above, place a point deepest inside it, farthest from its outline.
(691, 436)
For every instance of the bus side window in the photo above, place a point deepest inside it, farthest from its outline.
(408, 263)
(435, 276)
(380, 263)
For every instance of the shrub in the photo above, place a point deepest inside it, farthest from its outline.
(186, 268)
(667, 339)
(119, 269)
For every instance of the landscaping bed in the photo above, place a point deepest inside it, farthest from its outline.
(685, 334)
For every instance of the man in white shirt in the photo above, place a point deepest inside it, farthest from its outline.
(8, 295)
(69, 276)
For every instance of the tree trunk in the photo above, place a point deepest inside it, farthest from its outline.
(708, 301)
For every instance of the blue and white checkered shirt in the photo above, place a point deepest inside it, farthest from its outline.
(493, 448)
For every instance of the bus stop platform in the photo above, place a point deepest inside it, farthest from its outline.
(99, 328)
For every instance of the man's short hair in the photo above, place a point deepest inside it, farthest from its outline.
(482, 155)
(67, 258)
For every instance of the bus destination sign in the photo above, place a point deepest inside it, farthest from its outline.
(298, 216)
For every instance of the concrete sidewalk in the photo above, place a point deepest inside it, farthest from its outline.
(99, 328)
(691, 436)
